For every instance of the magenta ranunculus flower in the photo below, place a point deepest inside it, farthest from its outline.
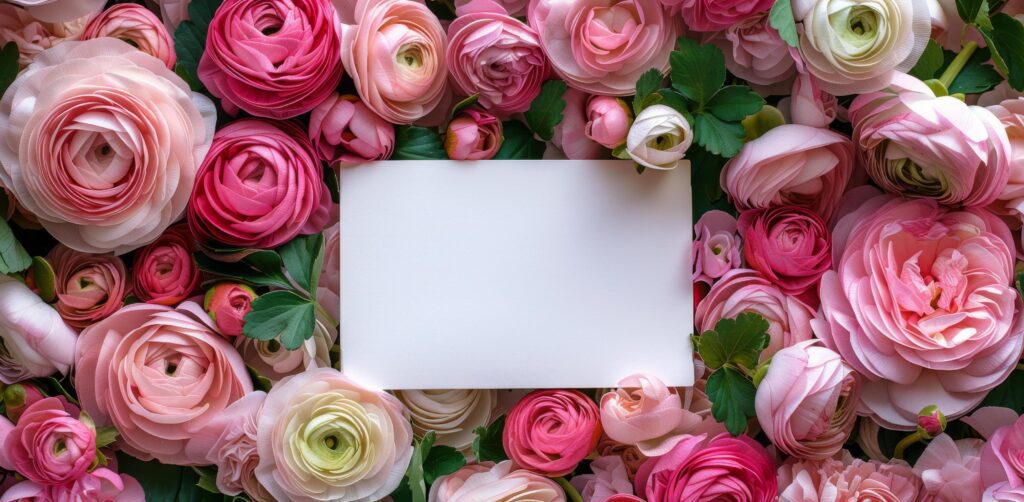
(88, 287)
(552, 431)
(34, 340)
(229, 442)
(473, 135)
(343, 130)
(603, 46)
(498, 483)
(716, 247)
(1003, 492)
(497, 56)
(227, 303)
(755, 52)
(791, 246)
(137, 26)
(260, 186)
(921, 303)
(272, 58)
(915, 144)
(165, 272)
(50, 446)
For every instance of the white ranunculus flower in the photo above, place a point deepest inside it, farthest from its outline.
(452, 414)
(659, 138)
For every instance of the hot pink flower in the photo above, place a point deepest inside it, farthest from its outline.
(714, 15)
(473, 135)
(344, 130)
(165, 272)
(229, 442)
(227, 303)
(646, 413)
(49, 446)
(136, 25)
(951, 470)
(791, 246)
(608, 121)
(755, 52)
(495, 483)
(716, 249)
(551, 431)
(89, 287)
(34, 340)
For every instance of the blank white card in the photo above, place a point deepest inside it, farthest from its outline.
(515, 274)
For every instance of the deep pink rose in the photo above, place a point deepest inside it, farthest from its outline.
(495, 483)
(552, 431)
(260, 186)
(755, 52)
(34, 340)
(603, 46)
(473, 135)
(848, 479)
(101, 484)
(921, 303)
(50, 446)
(272, 58)
(136, 25)
(609, 479)
(700, 469)
(570, 134)
(646, 413)
(229, 442)
(791, 246)
(1002, 455)
(158, 375)
(951, 470)
(714, 15)
(33, 36)
(716, 248)
(227, 303)
(608, 121)
(89, 287)
(496, 56)
(165, 272)
(344, 130)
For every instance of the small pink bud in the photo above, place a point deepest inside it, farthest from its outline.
(19, 396)
(227, 303)
(931, 422)
(608, 121)
(473, 135)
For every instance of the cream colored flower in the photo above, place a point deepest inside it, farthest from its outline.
(451, 414)
(659, 138)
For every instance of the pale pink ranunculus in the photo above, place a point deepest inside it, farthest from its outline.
(132, 135)
(60, 11)
(159, 375)
(164, 272)
(309, 448)
(608, 121)
(343, 130)
(791, 164)
(744, 290)
(807, 402)
(715, 15)
(473, 135)
(227, 303)
(101, 484)
(570, 134)
(496, 56)
(328, 292)
(1002, 455)
(260, 186)
(515, 8)
(395, 54)
(271, 360)
(716, 248)
(229, 442)
(88, 287)
(950, 470)
(646, 413)
(609, 478)
(848, 479)
(630, 454)
(790, 246)
(755, 52)
(452, 415)
(703, 469)
(1011, 114)
(172, 12)
(552, 431)
(1003, 492)
(495, 483)
(272, 58)
(603, 46)
(34, 340)
(917, 145)
(921, 304)
(137, 26)
(50, 446)
(32, 35)
(809, 105)
(986, 420)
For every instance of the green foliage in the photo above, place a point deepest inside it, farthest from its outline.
(1009, 40)
(546, 110)
(418, 143)
(43, 275)
(781, 18)
(303, 258)
(1009, 394)
(734, 341)
(166, 483)
(698, 71)
(519, 143)
(719, 137)
(9, 66)
(734, 103)
(190, 40)
(487, 446)
(932, 60)
(646, 86)
(281, 315)
(428, 463)
(732, 399)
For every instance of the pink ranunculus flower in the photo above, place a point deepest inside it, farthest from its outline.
(49, 446)
(807, 402)
(552, 431)
(1011, 114)
(260, 186)
(272, 58)
(716, 249)
(744, 290)
(309, 448)
(603, 46)
(495, 483)
(513, 7)
(915, 144)
(610, 478)
(451, 414)
(755, 52)
(809, 105)
(1003, 492)
(159, 375)
(165, 272)
(135, 25)
(229, 442)
(791, 246)
(791, 164)
(646, 413)
(132, 135)
(496, 56)
(227, 303)
(702, 469)
(343, 130)
(921, 304)
(34, 340)
(951, 470)
(395, 54)
(715, 15)
(473, 135)
(32, 35)
(101, 484)
(274, 362)
(847, 478)
(570, 134)
(328, 292)
(60, 11)
(1001, 457)
(608, 121)
(89, 287)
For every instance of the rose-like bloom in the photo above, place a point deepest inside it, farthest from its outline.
(855, 46)
(512, 7)
(702, 469)
(321, 436)
(101, 142)
(921, 304)
(165, 272)
(260, 186)
(716, 249)
(1011, 114)
(791, 246)
(570, 134)
(272, 58)
(328, 291)
(473, 135)
(344, 130)
(951, 470)
(807, 402)
(915, 144)
(451, 414)
(158, 375)
(32, 35)
(59, 11)
(34, 340)
(744, 290)
(608, 121)
(496, 56)
(136, 25)
(610, 478)
(495, 483)
(551, 431)
(847, 478)
(89, 287)
(603, 46)
(714, 15)
(227, 303)
(229, 442)
(1000, 459)
(50, 446)
(809, 105)
(100, 484)
(791, 165)
(395, 54)
(755, 52)
(659, 138)
(274, 362)
(1003, 492)
(646, 413)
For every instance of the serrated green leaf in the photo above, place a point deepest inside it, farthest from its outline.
(519, 143)
(719, 137)
(732, 399)
(734, 103)
(262, 268)
(646, 85)
(418, 143)
(13, 257)
(283, 316)
(442, 461)
(781, 18)
(734, 341)
(487, 445)
(303, 258)
(932, 60)
(1009, 40)
(43, 276)
(698, 71)
(9, 66)
(546, 110)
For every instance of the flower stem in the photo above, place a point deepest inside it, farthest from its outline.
(570, 490)
(905, 443)
(958, 64)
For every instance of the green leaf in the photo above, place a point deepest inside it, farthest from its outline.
(189, 44)
(331, 180)
(1009, 394)
(519, 143)
(676, 101)
(969, 10)
(441, 461)
(207, 479)
(698, 71)
(105, 436)
(487, 445)
(9, 66)
(281, 315)
(734, 341)
(732, 399)
(734, 103)
(414, 476)
(201, 12)
(977, 75)
(303, 258)
(465, 103)
(42, 274)
(646, 85)
(259, 382)
(53, 388)
(164, 482)
(13, 257)
(546, 110)
(720, 138)
(932, 60)
(707, 189)
(1009, 40)
(781, 18)
(418, 143)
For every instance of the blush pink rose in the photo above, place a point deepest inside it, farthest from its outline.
(473, 135)
(716, 248)
(395, 54)
(1003, 492)
(1011, 114)
(159, 375)
(34, 340)
(755, 52)
(496, 56)
(809, 105)
(495, 483)
(137, 26)
(608, 121)
(951, 470)
(610, 478)
(552, 431)
(1001, 457)
(921, 304)
(343, 130)
(570, 134)
(272, 58)
(646, 413)
(513, 7)
(260, 186)
(227, 303)
(165, 272)
(847, 478)
(101, 484)
(791, 165)
(50, 446)
(229, 442)
(603, 46)
(33, 36)
(714, 15)
(89, 287)
(791, 247)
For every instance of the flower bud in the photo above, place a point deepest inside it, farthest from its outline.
(659, 138)
(473, 135)
(227, 303)
(18, 397)
(608, 121)
(931, 422)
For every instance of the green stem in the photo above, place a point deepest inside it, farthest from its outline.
(570, 490)
(906, 442)
(1020, 366)
(958, 64)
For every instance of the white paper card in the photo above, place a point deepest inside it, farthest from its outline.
(515, 274)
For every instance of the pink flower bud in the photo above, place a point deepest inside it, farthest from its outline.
(931, 421)
(18, 397)
(227, 303)
(473, 135)
(608, 120)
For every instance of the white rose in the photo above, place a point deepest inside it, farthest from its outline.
(659, 138)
